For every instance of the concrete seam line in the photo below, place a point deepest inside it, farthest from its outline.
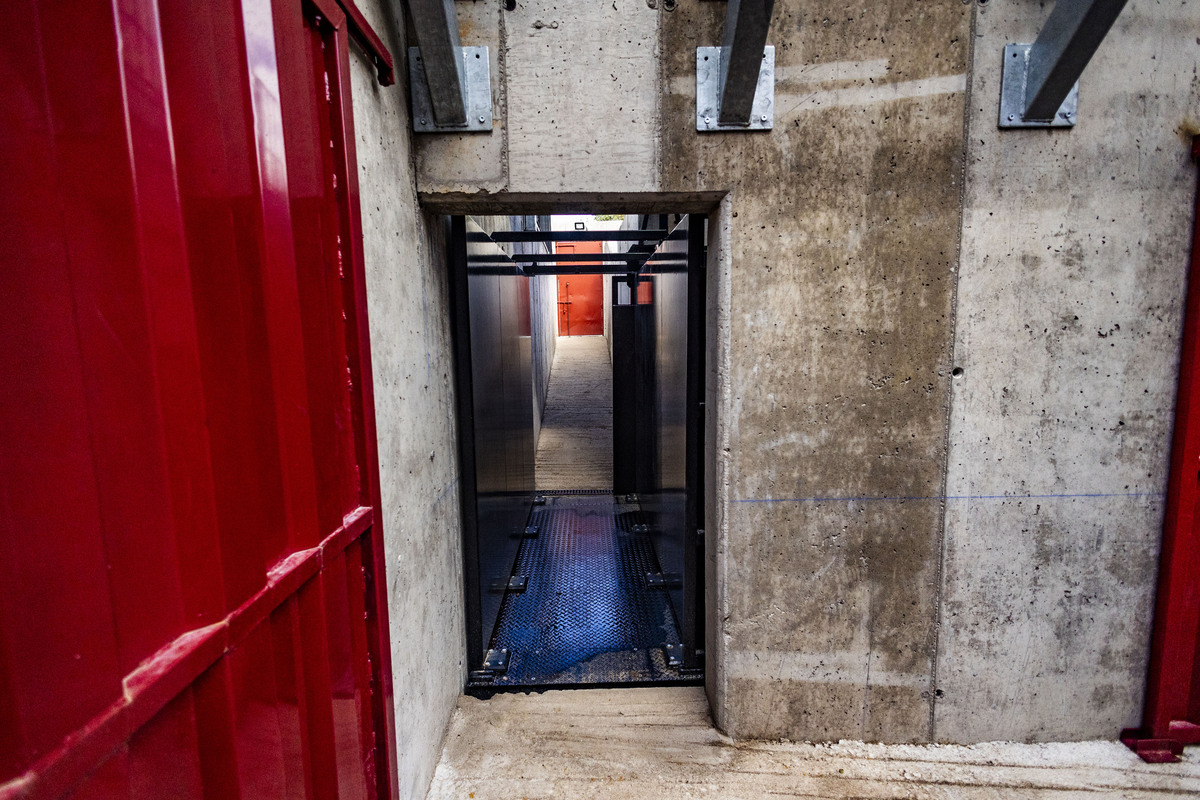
(940, 570)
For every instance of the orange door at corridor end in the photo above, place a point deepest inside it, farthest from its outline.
(580, 297)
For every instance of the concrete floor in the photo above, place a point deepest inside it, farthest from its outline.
(575, 447)
(660, 744)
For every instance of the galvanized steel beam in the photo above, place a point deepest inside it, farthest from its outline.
(451, 84)
(1039, 83)
(735, 83)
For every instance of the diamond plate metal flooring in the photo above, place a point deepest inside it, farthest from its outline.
(587, 615)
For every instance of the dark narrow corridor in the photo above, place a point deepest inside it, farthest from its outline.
(581, 538)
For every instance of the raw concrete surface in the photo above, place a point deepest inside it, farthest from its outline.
(577, 94)
(843, 241)
(414, 402)
(1070, 296)
(574, 450)
(660, 743)
(873, 538)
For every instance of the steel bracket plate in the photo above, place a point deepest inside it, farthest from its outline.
(516, 584)
(1012, 94)
(477, 77)
(708, 92)
(664, 580)
(496, 660)
(673, 654)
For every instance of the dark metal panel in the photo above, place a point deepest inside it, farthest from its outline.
(655, 236)
(669, 528)
(494, 368)
(625, 412)
(460, 313)
(692, 621)
(669, 339)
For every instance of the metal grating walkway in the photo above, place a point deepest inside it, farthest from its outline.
(587, 615)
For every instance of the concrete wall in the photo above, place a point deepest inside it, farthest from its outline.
(865, 582)
(1069, 308)
(843, 241)
(414, 402)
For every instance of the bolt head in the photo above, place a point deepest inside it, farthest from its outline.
(707, 120)
(763, 118)
(422, 120)
(1011, 117)
(481, 118)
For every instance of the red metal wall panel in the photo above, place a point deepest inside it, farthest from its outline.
(188, 540)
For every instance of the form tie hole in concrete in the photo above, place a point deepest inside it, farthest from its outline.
(957, 372)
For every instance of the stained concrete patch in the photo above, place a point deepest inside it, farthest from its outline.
(843, 245)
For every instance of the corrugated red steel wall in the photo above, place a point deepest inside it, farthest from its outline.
(191, 572)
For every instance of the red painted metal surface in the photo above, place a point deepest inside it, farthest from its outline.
(580, 297)
(1171, 717)
(189, 542)
(362, 33)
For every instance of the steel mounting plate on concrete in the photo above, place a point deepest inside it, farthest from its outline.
(1013, 79)
(477, 77)
(708, 92)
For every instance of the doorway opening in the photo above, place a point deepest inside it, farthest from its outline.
(579, 345)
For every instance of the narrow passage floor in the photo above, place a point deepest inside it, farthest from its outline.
(574, 450)
(583, 611)
(587, 614)
(660, 743)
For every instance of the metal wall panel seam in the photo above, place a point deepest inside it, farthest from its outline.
(364, 398)
(281, 301)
